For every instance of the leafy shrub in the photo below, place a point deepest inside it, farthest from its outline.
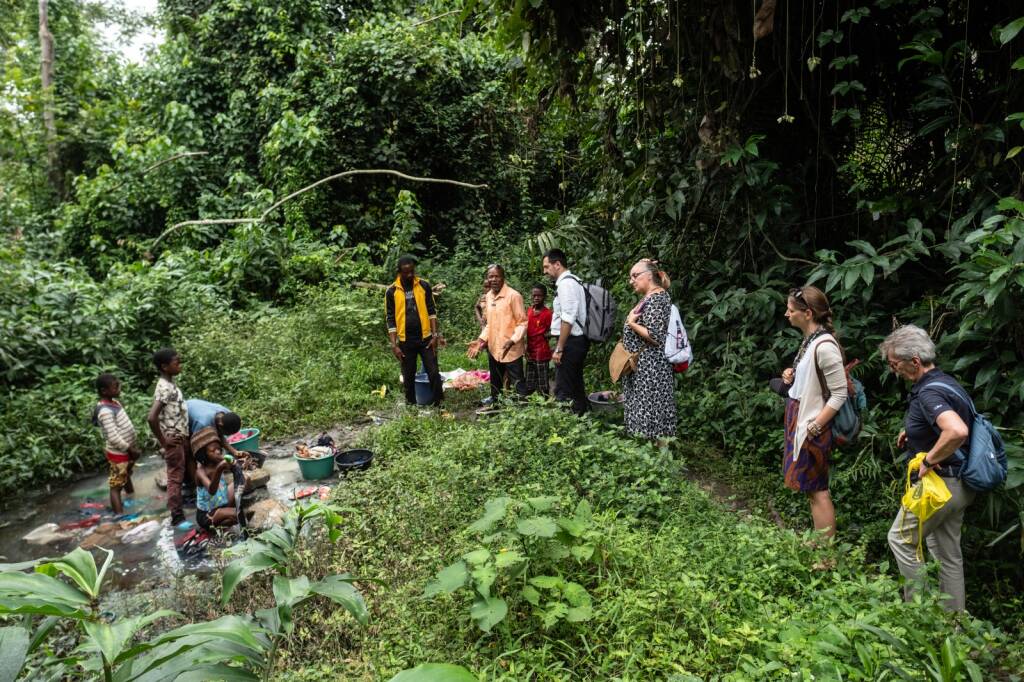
(521, 546)
(71, 588)
(46, 434)
(60, 329)
(312, 366)
(56, 315)
(275, 550)
(541, 443)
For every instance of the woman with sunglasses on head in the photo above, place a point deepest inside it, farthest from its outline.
(816, 386)
(650, 405)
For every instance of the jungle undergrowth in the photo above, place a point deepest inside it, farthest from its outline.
(684, 586)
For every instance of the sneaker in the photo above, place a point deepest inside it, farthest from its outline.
(177, 518)
(487, 401)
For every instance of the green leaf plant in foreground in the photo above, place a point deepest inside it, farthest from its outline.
(69, 589)
(435, 672)
(230, 648)
(524, 555)
(275, 549)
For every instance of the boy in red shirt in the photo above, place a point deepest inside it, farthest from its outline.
(538, 349)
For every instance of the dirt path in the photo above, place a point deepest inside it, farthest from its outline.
(725, 494)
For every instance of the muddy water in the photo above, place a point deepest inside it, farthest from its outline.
(154, 559)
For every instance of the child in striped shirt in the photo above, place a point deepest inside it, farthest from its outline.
(118, 439)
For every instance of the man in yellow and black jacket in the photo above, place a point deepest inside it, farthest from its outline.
(412, 328)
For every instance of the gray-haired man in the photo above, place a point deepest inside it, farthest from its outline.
(936, 423)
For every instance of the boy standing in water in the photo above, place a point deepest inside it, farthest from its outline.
(168, 420)
(118, 438)
(538, 349)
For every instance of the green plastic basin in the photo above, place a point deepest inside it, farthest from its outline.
(251, 442)
(315, 469)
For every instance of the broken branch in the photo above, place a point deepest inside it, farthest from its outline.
(156, 165)
(371, 171)
(263, 216)
(218, 221)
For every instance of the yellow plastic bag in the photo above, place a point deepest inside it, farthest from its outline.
(924, 498)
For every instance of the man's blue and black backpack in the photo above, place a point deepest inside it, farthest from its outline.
(985, 464)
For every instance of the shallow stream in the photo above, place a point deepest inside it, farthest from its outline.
(155, 558)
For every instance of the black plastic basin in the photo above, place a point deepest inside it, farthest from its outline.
(353, 460)
(600, 402)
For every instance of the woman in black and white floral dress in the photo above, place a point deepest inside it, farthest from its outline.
(650, 407)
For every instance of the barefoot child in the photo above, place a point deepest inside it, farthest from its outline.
(538, 348)
(118, 436)
(168, 420)
(215, 492)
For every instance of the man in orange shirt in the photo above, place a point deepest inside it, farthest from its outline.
(503, 335)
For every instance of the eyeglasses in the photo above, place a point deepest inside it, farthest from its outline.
(636, 275)
(894, 364)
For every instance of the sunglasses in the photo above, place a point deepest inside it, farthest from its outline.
(797, 294)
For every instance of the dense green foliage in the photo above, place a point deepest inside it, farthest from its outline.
(873, 149)
(286, 371)
(69, 590)
(524, 549)
(677, 586)
(869, 184)
(60, 330)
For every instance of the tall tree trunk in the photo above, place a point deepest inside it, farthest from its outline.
(46, 77)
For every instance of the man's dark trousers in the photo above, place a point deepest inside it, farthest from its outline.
(413, 350)
(569, 375)
(512, 372)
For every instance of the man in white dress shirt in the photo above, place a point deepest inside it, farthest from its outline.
(568, 319)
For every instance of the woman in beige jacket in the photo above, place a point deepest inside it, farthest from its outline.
(817, 389)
